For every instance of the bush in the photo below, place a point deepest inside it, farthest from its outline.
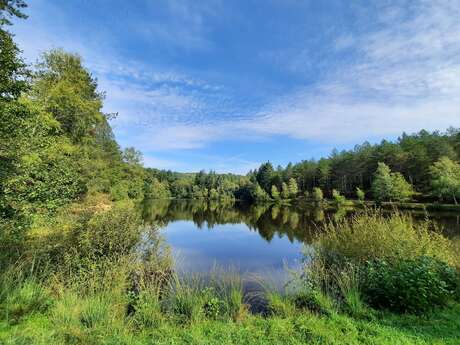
(338, 199)
(147, 310)
(314, 301)
(360, 194)
(391, 262)
(111, 233)
(370, 236)
(414, 286)
(317, 195)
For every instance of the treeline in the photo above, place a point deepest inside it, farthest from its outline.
(202, 185)
(422, 166)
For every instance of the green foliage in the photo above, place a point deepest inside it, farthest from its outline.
(275, 193)
(445, 182)
(67, 90)
(414, 286)
(264, 176)
(317, 195)
(392, 262)
(259, 194)
(338, 199)
(42, 169)
(293, 188)
(285, 194)
(109, 234)
(411, 156)
(12, 68)
(22, 300)
(390, 186)
(132, 156)
(11, 8)
(370, 236)
(360, 194)
(314, 301)
(147, 313)
(280, 305)
(155, 189)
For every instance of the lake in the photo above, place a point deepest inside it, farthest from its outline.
(257, 239)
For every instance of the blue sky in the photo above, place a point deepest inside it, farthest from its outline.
(226, 85)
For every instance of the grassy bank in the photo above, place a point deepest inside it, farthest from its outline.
(98, 275)
(300, 327)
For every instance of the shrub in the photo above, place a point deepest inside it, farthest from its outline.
(414, 286)
(214, 307)
(314, 301)
(370, 235)
(317, 195)
(360, 194)
(112, 233)
(392, 262)
(339, 199)
(390, 186)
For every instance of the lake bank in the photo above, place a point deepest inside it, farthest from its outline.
(92, 299)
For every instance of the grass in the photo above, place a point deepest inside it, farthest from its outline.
(100, 326)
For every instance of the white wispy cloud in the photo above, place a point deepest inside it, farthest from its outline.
(403, 74)
(405, 77)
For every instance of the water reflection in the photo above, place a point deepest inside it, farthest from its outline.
(259, 238)
(297, 222)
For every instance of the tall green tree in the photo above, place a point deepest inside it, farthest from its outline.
(275, 192)
(389, 186)
(285, 191)
(445, 181)
(293, 188)
(13, 71)
(69, 92)
(264, 176)
(132, 156)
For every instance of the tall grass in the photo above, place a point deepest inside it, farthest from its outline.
(218, 295)
(371, 235)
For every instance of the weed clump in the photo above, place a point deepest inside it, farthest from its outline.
(390, 262)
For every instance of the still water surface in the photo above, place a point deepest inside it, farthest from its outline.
(253, 239)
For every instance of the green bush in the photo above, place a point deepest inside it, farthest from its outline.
(392, 262)
(317, 195)
(314, 301)
(338, 198)
(414, 286)
(370, 236)
(360, 194)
